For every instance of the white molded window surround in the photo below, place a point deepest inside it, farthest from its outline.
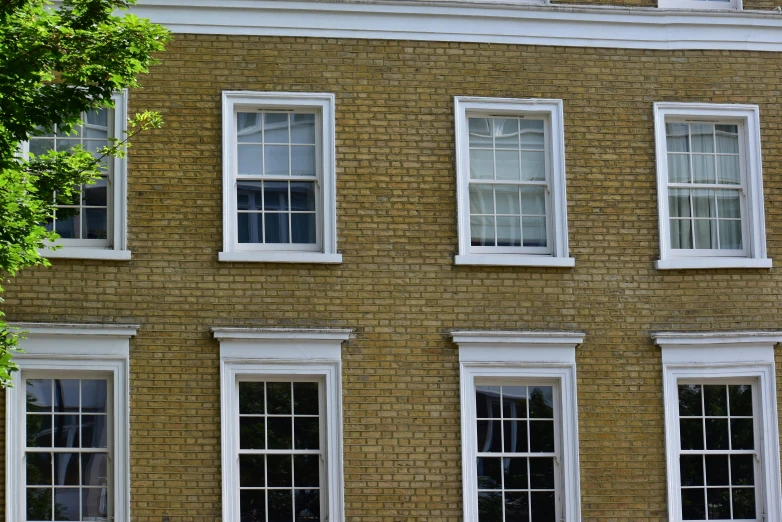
(67, 426)
(721, 431)
(519, 425)
(700, 4)
(710, 186)
(281, 395)
(279, 181)
(510, 169)
(94, 225)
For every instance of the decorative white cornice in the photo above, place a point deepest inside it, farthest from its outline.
(724, 348)
(280, 334)
(463, 337)
(476, 21)
(32, 330)
(712, 338)
(280, 344)
(520, 347)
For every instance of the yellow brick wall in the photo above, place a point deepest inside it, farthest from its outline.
(398, 287)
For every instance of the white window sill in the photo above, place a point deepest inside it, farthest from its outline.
(514, 260)
(279, 257)
(86, 253)
(695, 263)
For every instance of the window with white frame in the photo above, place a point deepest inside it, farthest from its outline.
(68, 425)
(511, 182)
(282, 447)
(519, 436)
(90, 223)
(721, 425)
(710, 189)
(700, 4)
(278, 177)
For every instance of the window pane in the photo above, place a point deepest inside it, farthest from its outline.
(303, 229)
(514, 402)
(68, 227)
(482, 231)
(480, 132)
(96, 195)
(515, 436)
(730, 235)
(487, 402)
(679, 202)
(39, 503)
(40, 146)
(252, 473)
(95, 223)
(252, 504)
(715, 399)
(533, 166)
(542, 504)
(98, 117)
(93, 469)
(489, 436)
(279, 471)
(306, 471)
(93, 395)
(517, 506)
(278, 397)
(39, 469)
(534, 231)
(66, 504)
(303, 162)
(728, 170)
(703, 203)
(678, 168)
(744, 503)
(705, 233)
(250, 228)
(507, 199)
(489, 473)
(307, 505)
(249, 195)
(718, 501)
(303, 128)
(481, 164)
(39, 431)
(691, 468)
(482, 199)
(717, 434)
(94, 503)
(541, 473)
(541, 436)
(742, 434)
(276, 228)
(506, 133)
(742, 470)
(693, 504)
(39, 395)
(677, 137)
(307, 432)
(279, 432)
(681, 233)
(508, 231)
(276, 160)
(729, 204)
(541, 402)
(531, 134)
(305, 398)
(249, 160)
(727, 139)
(252, 433)
(533, 201)
(275, 127)
(703, 170)
(93, 431)
(66, 431)
(251, 397)
(66, 395)
(691, 434)
(489, 506)
(64, 145)
(508, 167)
(702, 137)
(515, 470)
(717, 470)
(740, 400)
(690, 400)
(275, 195)
(248, 127)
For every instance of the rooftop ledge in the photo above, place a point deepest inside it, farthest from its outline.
(484, 21)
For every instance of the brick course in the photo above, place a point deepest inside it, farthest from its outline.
(398, 287)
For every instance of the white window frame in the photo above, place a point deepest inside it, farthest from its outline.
(747, 117)
(522, 357)
(117, 249)
(734, 5)
(720, 357)
(323, 105)
(257, 353)
(70, 349)
(551, 111)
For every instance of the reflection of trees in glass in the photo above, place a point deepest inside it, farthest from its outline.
(540, 403)
(490, 505)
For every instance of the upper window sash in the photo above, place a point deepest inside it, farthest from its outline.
(319, 188)
(748, 191)
(539, 191)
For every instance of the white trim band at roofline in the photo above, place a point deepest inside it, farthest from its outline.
(482, 22)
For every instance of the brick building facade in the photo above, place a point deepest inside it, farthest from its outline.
(392, 296)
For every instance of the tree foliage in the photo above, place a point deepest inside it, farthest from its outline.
(55, 64)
